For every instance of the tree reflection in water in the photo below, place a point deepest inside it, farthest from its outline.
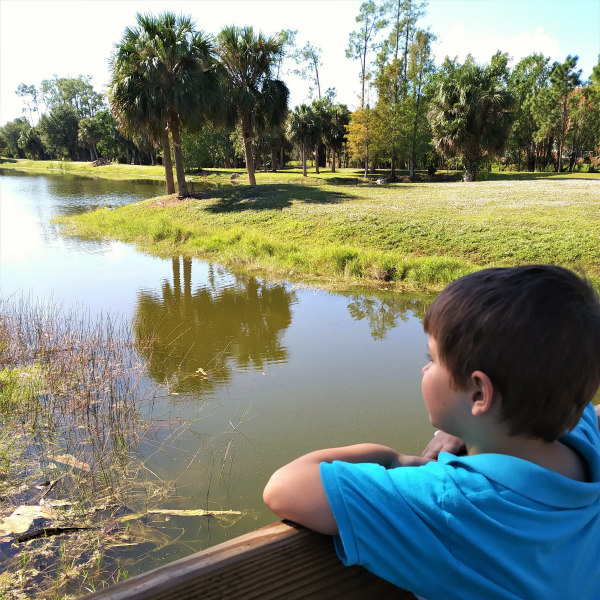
(192, 339)
(383, 313)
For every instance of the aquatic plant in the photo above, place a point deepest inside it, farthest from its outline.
(74, 406)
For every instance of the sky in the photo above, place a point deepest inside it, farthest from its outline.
(67, 38)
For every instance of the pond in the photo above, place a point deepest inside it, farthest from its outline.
(247, 373)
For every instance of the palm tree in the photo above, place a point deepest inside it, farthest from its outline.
(164, 77)
(470, 113)
(337, 118)
(254, 98)
(89, 133)
(304, 129)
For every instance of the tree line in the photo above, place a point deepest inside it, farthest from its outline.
(180, 96)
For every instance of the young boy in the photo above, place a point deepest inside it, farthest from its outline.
(514, 365)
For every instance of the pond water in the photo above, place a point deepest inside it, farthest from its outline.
(250, 373)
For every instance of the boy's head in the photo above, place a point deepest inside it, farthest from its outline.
(535, 331)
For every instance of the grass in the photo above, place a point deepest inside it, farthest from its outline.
(291, 174)
(72, 397)
(112, 171)
(418, 236)
(341, 230)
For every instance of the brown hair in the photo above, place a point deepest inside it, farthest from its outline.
(535, 331)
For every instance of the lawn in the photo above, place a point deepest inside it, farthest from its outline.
(339, 230)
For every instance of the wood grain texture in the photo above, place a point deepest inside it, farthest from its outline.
(282, 560)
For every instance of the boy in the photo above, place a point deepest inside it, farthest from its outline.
(514, 365)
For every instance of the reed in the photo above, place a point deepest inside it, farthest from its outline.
(75, 402)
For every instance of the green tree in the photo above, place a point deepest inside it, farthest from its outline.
(75, 92)
(391, 78)
(583, 135)
(363, 40)
(527, 80)
(90, 133)
(420, 70)
(551, 107)
(287, 38)
(335, 129)
(31, 143)
(164, 77)
(308, 59)
(210, 147)
(29, 95)
(112, 144)
(255, 99)
(10, 134)
(563, 80)
(304, 129)
(360, 136)
(471, 111)
(58, 130)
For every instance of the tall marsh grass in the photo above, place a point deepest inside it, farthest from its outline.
(74, 485)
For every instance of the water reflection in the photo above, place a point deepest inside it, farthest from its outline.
(192, 339)
(383, 314)
(303, 369)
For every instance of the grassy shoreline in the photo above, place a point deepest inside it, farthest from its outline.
(336, 230)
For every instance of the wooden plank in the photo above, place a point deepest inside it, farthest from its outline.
(282, 560)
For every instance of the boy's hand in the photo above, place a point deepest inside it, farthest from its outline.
(444, 442)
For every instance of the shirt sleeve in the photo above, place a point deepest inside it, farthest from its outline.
(588, 426)
(585, 437)
(391, 522)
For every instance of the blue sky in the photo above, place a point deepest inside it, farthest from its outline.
(43, 38)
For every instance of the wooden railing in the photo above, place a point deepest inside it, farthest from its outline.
(282, 560)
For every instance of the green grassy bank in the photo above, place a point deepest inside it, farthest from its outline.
(338, 230)
(288, 175)
(111, 171)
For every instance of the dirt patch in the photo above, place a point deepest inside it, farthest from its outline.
(176, 199)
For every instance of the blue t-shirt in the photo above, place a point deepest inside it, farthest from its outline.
(479, 527)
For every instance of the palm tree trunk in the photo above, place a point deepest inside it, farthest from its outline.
(317, 159)
(176, 139)
(168, 165)
(273, 160)
(332, 160)
(560, 151)
(246, 134)
(470, 170)
(304, 159)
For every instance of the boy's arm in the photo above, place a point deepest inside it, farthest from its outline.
(295, 491)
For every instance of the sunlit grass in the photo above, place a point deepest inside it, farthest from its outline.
(410, 235)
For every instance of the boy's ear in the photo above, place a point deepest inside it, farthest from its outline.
(482, 393)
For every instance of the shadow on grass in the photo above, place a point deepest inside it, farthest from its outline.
(529, 176)
(271, 196)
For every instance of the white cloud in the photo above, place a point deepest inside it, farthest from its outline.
(460, 41)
